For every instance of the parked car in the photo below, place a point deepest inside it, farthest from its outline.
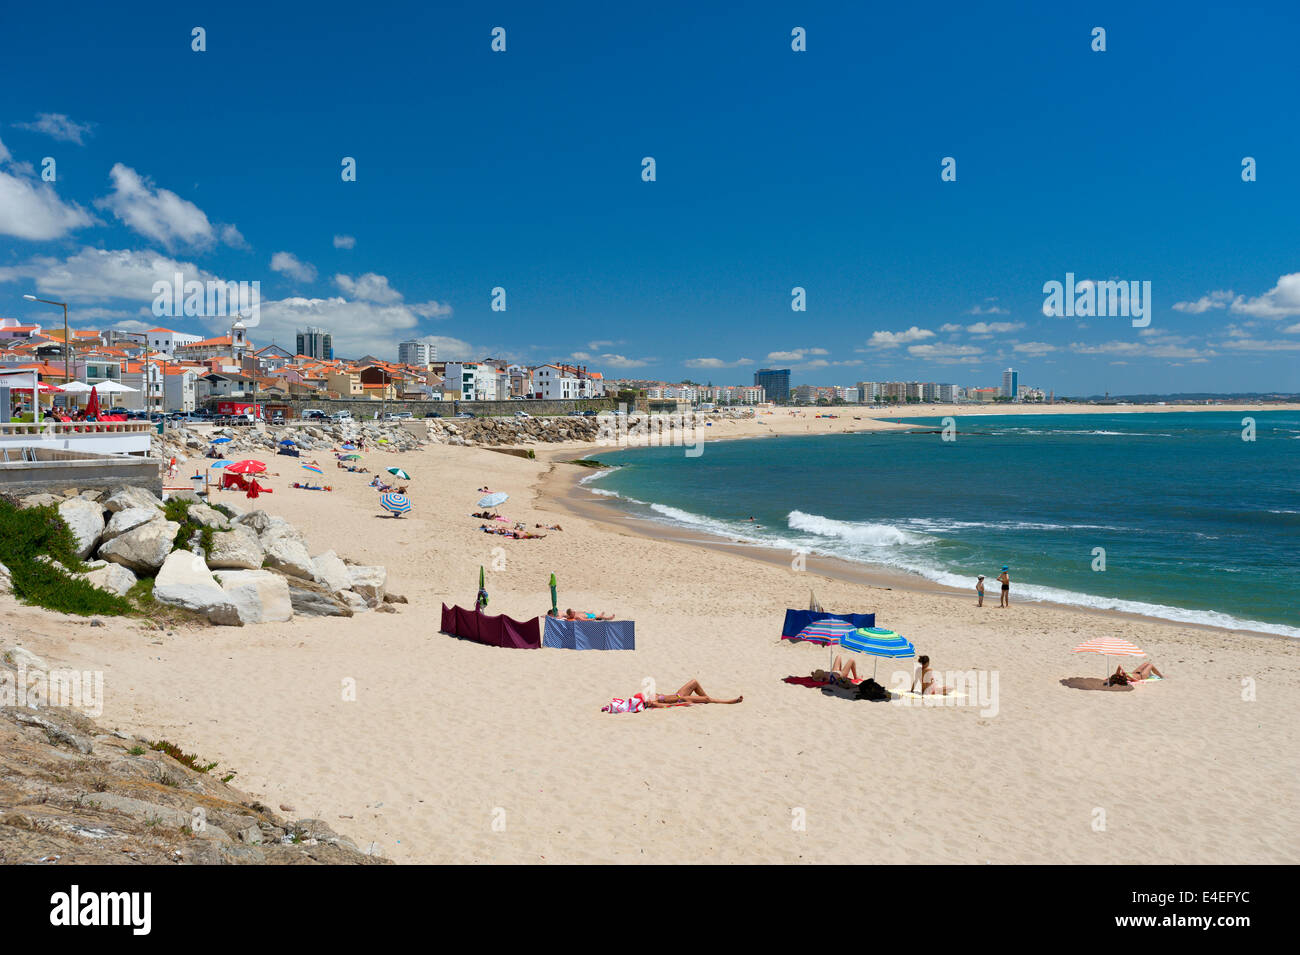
(433, 414)
(314, 414)
(116, 410)
(522, 414)
(341, 416)
(465, 414)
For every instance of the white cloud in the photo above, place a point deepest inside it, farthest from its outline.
(370, 287)
(609, 360)
(288, 264)
(159, 214)
(345, 242)
(1205, 303)
(797, 354)
(1139, 350)
(994, 328)
(58, 126)
(1034, 349)
(715, 363)
(94, 275)
(947, 354)
(358, 327)
(30, 209)
(894, 339)
(1281, 301)
(1256, 344)
(988, 310)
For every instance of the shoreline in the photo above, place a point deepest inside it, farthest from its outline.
(566, 490)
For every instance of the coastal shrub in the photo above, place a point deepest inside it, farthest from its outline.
(27, 533)
(179, 511)
(185, 759)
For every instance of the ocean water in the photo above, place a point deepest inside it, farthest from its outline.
(1196, 524)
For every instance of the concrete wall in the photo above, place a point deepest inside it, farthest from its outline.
(54, 472)
(365, 408)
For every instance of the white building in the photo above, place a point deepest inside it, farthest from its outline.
(474, 380)
(415, 352)
(166, 340)
(556, 382)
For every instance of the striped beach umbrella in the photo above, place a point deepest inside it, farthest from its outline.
(312, 468)
(825, 632)
(398, 472)
(350, 457)
(877, 643)
(396, 503)
(1109, 647)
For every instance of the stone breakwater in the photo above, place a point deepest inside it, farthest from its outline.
(229, 568)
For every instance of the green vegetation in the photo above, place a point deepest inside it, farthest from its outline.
(588, 463)
(179, 511)
(27, 533)
(185, 759)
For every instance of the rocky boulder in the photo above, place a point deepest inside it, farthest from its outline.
(86, 520)
(236, 548)
(128, 519)
(144, 548)
(287, 553)
(111, 577)
(209, 517)
(6, 580)
(315, 600)
(369, 582)
(125, 497)
(332, 572)
(259, 596)
(185, 581)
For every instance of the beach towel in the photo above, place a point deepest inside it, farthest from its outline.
(618, 705)
(805, 681)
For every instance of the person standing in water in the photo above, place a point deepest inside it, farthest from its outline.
(979, 590)
(1005, 578)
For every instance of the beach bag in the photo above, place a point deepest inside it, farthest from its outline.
(871, 690)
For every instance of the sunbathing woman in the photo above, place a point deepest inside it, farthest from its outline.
(572, 614)
(691, 693)
(1143, 671)
(928, 682)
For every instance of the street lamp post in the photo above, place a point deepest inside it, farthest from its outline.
(67, 341)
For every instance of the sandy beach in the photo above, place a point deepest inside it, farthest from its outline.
(455, 752)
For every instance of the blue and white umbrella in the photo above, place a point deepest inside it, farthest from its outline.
(220, 440)
(288, 441)
(219, 464)
(493, 499)
(397, 503)
(878, 643)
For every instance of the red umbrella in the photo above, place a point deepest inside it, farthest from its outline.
(246, 467)
(92, 406)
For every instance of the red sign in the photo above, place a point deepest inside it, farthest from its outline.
(236, 407)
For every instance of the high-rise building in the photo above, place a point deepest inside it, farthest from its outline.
(316, 343)
(1011, 384)
(775, 382)
(415, 352)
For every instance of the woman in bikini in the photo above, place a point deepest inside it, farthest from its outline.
(689, 694)
(929, 685)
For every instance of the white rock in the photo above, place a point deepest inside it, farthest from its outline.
(185, 581)
(111, 577)
(143, 548)
(6, 580)
(125, 497)
(332, 572)
(235, 548)
(259, 596)
(127, 519)
(369, 582)
(21, 656)
(289, 555)
(209, 517)
(86, 519)
(355, 602)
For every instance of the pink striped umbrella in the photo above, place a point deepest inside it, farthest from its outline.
(1110, 647)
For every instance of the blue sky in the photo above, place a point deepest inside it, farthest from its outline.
(775, 169)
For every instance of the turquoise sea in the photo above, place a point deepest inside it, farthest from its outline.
(1196, 524)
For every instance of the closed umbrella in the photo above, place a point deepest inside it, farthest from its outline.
(481, 600)
(492, 500)
(555, 607)
(92, 406)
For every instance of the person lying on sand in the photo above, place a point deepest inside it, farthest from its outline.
(550, 527)
(689, 694)
(572, 614)
(927, 679)
(842, 673)
(1140, 672)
